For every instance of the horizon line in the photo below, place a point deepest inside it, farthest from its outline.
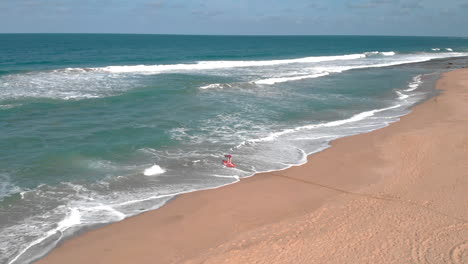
(231, 35)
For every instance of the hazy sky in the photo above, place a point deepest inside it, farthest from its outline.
(271, 17)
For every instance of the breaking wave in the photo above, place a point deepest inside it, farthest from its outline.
(292, 78)
(383, 53)
(210, 65)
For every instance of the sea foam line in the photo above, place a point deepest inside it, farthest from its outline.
(383, 53)
(324, 71)
(271, 81)
(72, 219)
(354, 118)
(417, 80)
(212, 86)
(413, 85)
(208, 65)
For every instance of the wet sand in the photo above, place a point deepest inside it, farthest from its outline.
(395, 195)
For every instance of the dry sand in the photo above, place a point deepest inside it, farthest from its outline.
(396, 195)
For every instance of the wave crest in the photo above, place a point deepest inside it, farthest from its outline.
(210, 65)
(380, 53)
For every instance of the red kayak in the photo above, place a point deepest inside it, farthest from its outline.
(228, 162)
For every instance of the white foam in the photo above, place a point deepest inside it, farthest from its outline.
(271, 81)
(326, 70)
(154, 170)
(73, 218)
(436, 49)
(303, 158)
(316, 137)
(389, 53)
(354, 118)
(392, 62)
(383, 53)
(7, 187)
(97, 212)
(236, 178)
(417, 81)
(60, 84)
(8, 106)
(358, 117)
(449, 49)
(212, 86)
(209, 65)
(401, 95)
(169, 195)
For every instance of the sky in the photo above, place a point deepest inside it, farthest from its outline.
(237, 17)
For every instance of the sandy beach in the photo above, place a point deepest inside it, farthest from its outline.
(395, 195)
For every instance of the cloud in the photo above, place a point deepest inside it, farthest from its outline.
(412, 5)
(316, 6)
(177, 5)
(206, 13)
(370, 4)
(54, 7)
(49, 9)
(464, 5)
(155, 5)
(384, 2)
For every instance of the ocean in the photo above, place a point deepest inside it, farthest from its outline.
(95, 128)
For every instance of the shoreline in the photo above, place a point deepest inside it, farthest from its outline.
(198, 226)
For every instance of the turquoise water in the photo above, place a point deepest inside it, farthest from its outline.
(96, 128)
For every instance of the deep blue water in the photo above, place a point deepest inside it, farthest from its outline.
(98, 127)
